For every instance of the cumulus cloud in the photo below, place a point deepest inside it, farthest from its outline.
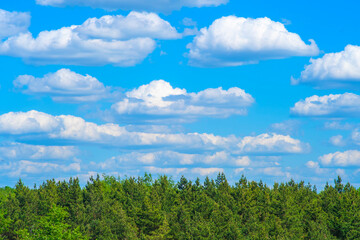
(159, 99)
(271, 143)
(134, 25)
(71, 128)
(63, 85)
(333, 70)
(333, 105)
(341, 159)
(64, 46)
(16, 151)
(234, 41)
(115, 40)
(12, 23)
(27, 122)
(155, 5)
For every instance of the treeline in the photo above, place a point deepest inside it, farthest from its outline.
(147, 208)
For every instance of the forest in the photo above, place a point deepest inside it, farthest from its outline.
(160, 208)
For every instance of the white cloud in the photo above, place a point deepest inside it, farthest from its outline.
(27, 122)
(115, 40)
(234, 41)
(134, 25)
(286, 127)
(64, 46)
(171, 158)
(312, 164)
(13, 150)
(336, 125)
(63, 85)
(274, 171)
(207, 171)
(271, 143)
(23, 168)
(175, 171)
(71, 128)
(315, 166)
(239, 170)
(333, 70)
(154, 5)
(337, 140)
(341, 159)
(159, 99)
(340, 172)
(12, 23)
(355, 136)
(188, 22)
(333, 105)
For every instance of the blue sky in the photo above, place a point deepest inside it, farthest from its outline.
(264, 89)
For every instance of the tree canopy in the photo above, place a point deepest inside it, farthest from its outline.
(147, 208)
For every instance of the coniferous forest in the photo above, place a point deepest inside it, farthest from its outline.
(147, 208)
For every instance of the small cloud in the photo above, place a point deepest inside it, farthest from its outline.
(333, 105)
(337, 125)
(239, 170)
(285, 21)
(207, 171)
(274, 171)
(188, 22)
(63, 86)
(286, 127)
(337, 141)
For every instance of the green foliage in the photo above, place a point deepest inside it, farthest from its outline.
(156, 209)
(52, 226)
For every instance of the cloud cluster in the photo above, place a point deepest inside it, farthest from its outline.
(115, 40)
(63, 85)
(12, 23)
(341, 159)
(173, 159)
(234, 41)
(333, 105)
(333, 70)
(140, 5)
(159, 99)
(17, 151)
(71, 128)
(271, 143)
(23, 168)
